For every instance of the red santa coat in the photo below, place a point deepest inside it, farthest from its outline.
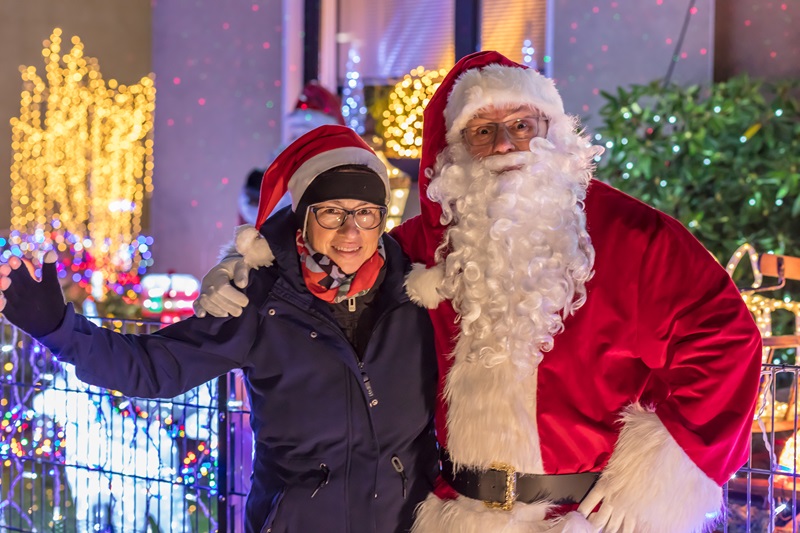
(662, 326)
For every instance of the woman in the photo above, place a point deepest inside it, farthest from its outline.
(338, 362)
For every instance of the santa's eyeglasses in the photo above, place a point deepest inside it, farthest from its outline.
(518, 129)
(366, 218)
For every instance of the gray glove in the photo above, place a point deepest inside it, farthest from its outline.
(217, 296)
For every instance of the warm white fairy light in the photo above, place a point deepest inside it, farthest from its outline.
(760, 306)
(83, 153)
(402, 121)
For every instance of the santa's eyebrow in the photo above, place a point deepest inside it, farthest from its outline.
(522, 110)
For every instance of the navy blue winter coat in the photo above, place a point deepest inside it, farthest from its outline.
(341, 446)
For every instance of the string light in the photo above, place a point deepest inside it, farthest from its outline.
(353, 109)
(761, 307)
(402, 121)
(83, 154)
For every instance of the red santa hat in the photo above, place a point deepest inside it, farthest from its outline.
(309, 156)
(477, 81)
(316, 106)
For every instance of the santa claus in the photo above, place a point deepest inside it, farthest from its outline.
(598, 369)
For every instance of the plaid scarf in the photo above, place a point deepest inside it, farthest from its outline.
(326, 280)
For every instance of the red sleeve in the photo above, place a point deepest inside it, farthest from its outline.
(410, 236)
(698, 336)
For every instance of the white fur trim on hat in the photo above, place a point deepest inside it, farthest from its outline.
(498, 86)
(651, 480)
(347, 155)
(422, 284)
(253, 247)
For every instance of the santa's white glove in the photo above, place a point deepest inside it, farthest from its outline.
(607, 519)
(217, 296)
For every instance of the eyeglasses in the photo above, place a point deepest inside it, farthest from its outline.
(366, 218)
(519, 129)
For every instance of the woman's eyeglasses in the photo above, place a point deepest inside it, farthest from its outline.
(366, 218)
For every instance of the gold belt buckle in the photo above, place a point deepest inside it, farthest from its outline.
(511, 487)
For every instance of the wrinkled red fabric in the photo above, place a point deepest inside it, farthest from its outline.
(662, 325)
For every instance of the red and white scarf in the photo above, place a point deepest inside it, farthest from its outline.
(326, 280)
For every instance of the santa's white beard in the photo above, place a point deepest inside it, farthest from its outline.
(517, 258)
(517, 255)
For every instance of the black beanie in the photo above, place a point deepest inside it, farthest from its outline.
(353, 182)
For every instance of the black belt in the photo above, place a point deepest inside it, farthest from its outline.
(500, 486)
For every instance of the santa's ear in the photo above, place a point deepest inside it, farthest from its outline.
(422, 285)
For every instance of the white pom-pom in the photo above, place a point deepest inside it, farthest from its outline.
(422, 285)
(253, 246)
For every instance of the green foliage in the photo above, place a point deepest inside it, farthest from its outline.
(723, 160)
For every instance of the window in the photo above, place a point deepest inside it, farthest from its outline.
(395, 36)
(507, 24)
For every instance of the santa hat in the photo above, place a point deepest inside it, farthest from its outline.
(476, 82)
(316, 106)
(309, 156)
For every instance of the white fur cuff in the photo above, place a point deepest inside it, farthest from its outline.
(422, 284)
(650, 479)
(253, 247)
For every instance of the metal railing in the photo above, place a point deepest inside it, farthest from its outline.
(78, 458)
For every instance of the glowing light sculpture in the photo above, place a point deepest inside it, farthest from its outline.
(83, 155)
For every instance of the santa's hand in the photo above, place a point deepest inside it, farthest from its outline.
(606, 519)
(217, 296)
(34, 306)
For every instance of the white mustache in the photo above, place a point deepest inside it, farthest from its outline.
(502, 162)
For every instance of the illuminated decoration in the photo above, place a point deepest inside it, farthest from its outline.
(144, 460)
(169, 297)
(353, 109)
(771, 410)
(528, 58)
(763, 307)
(399, 183)
(788, 459)
(83, 157)
(402, 120)
(83, 284)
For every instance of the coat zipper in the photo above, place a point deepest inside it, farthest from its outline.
(373, 401)
(398, 467)
(326, 476)
(341, 334)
